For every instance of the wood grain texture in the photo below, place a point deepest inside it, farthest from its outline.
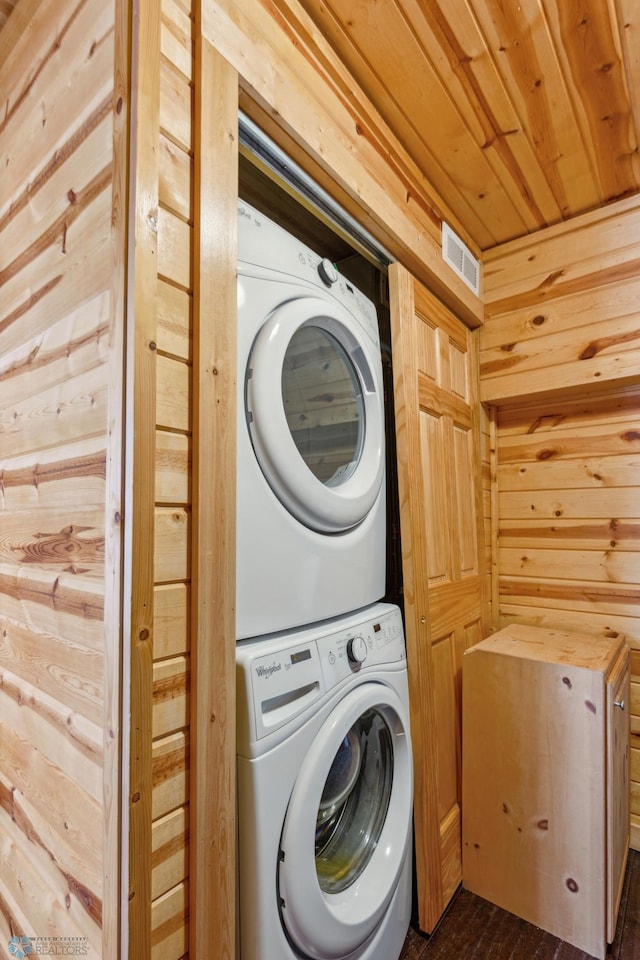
(175, 178)
(445, 601)
(562, 324)
(115, 729)
(212, 695)
(48, 888)
(426, 834)
(170, 857)
(172, 393)
(176, 36)
(18, 23)
(568, 518)
(60, 416)
(531, 117)
(167, 684)
(174, 320)
(543, 839)
(69, 673)
(175, 99)
(173, 462)
(568, 512)
(532, 111)
(170, 773)
(171, 634)
(169, 937)
(143, 212)
(172, 539)
(170, 695)
(561, 313)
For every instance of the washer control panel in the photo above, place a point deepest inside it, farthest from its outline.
(372, 643)
(357, 650)
(279, 677)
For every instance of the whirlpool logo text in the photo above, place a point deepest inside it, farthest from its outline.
(265, 672)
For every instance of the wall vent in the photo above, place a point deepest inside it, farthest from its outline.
(460, 258)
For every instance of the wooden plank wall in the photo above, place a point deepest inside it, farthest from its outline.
(561, 308)
(172, 573)
(187, 683)
(560, 357)
(60, 441)
(569, 511)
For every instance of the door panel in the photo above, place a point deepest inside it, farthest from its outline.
(466, 531)
(446, 726)
(439, 482)
(435, 494)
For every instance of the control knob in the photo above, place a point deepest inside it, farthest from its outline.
(328, 272)
(356, 650)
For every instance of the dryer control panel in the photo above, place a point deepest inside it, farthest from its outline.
(265, 245)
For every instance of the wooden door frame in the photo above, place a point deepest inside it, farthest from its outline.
(212, 798)
(233, 40)
(437, 837)
(139, 478)
(417, 630)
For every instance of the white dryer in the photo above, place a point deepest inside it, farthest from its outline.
(311, 511)
(325, 791)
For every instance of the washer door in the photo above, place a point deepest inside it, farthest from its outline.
(315, 413)
(346, 830)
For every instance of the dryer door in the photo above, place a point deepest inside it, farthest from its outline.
(347, 827)
(315, 412)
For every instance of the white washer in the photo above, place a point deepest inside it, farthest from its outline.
(311, 510)
(325, 791)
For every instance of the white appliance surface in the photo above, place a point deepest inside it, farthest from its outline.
(325, 791)
(311, 510)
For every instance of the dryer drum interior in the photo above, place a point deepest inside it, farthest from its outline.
(323, 403)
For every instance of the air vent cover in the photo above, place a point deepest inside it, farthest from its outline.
(460, 258)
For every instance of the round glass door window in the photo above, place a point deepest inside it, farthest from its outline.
(346, 831)
(315, 415)
(354, 803)
(323, 404)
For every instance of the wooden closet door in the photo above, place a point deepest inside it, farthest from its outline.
(438, 442)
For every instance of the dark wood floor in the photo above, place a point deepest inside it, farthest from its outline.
(473, 929)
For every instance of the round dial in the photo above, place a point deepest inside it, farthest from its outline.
(357, 650)
(328, 272)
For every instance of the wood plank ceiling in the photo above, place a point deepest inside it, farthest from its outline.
(521, 113)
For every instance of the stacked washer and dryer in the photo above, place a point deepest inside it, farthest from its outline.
(325, 778)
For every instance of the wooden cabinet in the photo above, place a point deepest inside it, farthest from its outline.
(545, 794)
